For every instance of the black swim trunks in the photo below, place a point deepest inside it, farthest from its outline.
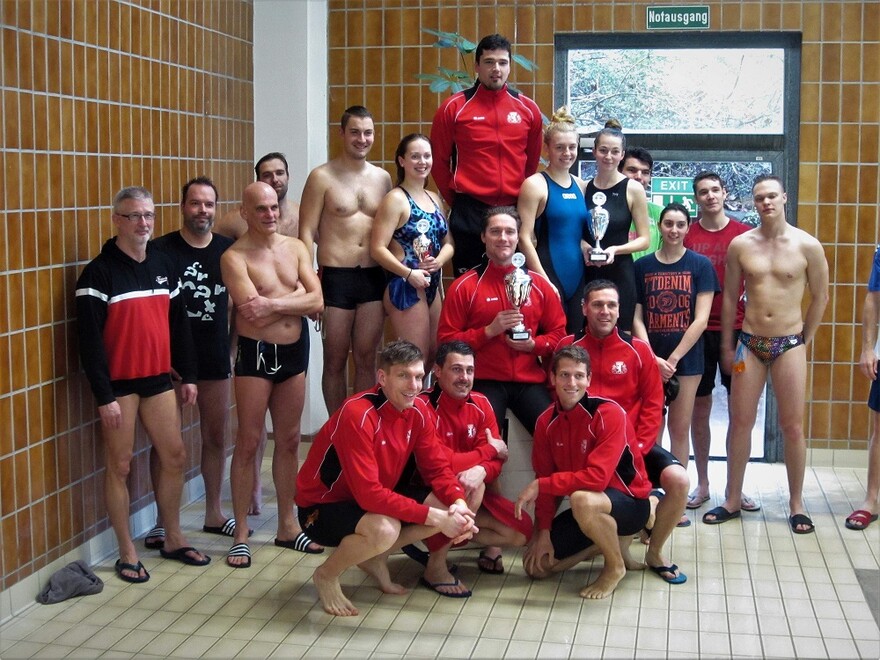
(274, 362)
(347, 288)
(629, 513)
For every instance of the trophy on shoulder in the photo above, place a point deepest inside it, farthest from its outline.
(518, 285)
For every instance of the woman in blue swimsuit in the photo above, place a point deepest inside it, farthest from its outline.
(410, 240)
(555, 219)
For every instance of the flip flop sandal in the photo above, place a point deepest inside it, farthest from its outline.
(301, 543)
(239, 550)
(155, 533)
(860, 519)
(182, 555)
(137, 568)
(484, 561)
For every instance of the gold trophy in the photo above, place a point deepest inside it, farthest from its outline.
(518, 285)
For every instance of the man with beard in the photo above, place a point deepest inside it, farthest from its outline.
(196, 252)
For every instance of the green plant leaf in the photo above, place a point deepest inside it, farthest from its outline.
(525, 63)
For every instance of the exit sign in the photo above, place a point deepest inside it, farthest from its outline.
(666, 17)
(665, 190)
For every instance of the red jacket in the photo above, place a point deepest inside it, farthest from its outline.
(360, 452)
(626, 371)
(590, 447)
(473, 302)
(485, 143)
(461, 426)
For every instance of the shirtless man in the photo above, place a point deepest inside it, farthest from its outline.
(271, 169)
(778, 263)
(272, 284)
(339, 202)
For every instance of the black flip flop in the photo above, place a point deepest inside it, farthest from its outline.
(721, 514)
(137, 568)
(801, 519)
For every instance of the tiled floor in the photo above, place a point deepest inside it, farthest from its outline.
(754, 590)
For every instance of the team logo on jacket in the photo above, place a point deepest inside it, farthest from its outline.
(471, 431)
(618, 368)
(161, 279)
(584, 446)
(514, 118)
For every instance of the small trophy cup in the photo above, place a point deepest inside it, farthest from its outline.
(421, 243)
(599, 224)
(518, 284)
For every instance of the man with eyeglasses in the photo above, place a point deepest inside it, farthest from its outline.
(128, 308)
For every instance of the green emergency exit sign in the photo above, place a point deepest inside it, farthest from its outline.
(665, 190)
(671, 17)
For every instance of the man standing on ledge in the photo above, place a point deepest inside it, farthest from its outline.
(478, 312)
(349, 491)
(272, 284)
(778, 263)
(486, 140)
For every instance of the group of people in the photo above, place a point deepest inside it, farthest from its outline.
(549, 317)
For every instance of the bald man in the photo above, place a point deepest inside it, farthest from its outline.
(272, 285)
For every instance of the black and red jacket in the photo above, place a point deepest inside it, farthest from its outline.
(485, 143)
(127, 312)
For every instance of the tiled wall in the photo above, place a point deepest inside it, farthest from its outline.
(377, 48)
(96, 95)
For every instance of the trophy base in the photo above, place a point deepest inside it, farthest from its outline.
(518, 335)
(598, 257)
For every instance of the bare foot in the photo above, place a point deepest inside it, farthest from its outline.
(629, 563)
(605, 584)
(256, 500)
(332, 599)
(378, 568)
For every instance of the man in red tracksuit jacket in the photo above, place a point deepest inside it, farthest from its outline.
(626, 371)
(466, 426)
(348, 489)
(585, 449)
(477, 312)
(486, 141)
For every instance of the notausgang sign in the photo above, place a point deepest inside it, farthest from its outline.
(671, 17)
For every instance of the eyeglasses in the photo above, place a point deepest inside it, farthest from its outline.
(136, 217)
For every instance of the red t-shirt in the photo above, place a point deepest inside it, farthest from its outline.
(713, 245)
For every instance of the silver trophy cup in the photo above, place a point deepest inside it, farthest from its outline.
(518, 284)
(599, 225)
(422, 244)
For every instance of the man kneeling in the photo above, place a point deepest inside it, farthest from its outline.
(583, 449)
(346, 487)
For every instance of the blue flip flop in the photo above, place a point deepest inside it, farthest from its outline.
(675, 579)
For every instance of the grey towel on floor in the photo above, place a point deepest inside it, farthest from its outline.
(75, 579)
